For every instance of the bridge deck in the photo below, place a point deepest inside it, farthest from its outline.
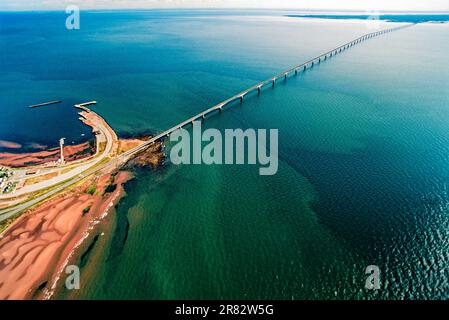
(8, 212)
(258, 86)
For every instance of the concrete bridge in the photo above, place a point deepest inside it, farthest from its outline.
(259, 86)
(124, 157)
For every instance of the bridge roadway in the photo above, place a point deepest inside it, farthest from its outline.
(9, 212)
(284, 75)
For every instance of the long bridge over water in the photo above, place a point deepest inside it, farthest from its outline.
(122, 158)
(259, 86)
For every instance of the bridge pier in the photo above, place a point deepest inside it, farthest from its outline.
(273, 81)
(259, 89)
(285, 75)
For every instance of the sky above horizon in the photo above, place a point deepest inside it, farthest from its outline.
(361, 5)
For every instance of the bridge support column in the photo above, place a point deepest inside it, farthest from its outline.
(273, 81)
(259, 89)
(241, 99)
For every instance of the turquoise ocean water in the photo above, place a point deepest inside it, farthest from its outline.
(363, 145)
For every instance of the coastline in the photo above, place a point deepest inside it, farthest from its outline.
(37, 247)
(76, 250)
(21, 159)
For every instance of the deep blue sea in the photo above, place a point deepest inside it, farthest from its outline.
(363, 144)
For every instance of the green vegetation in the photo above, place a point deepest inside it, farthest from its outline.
(87, 209)
(5, 172)
(10, 187)
(110, 188)
(92, 188)
(6, 223)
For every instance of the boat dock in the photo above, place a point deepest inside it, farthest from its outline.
(83, 106)
(44, 104)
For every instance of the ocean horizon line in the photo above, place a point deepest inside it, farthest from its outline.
(329, 11)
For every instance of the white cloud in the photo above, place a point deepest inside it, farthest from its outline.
(404, 5)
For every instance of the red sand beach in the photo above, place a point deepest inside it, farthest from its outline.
(74, 152)
(36, 246)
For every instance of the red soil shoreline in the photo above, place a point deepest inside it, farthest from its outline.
(71, 152)
(35, 249)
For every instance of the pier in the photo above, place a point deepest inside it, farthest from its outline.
(44, 104)
(83, 106)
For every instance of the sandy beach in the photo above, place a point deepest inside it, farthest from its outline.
(71, 152)
(36, 247)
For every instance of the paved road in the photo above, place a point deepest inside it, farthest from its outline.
(72, 173)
